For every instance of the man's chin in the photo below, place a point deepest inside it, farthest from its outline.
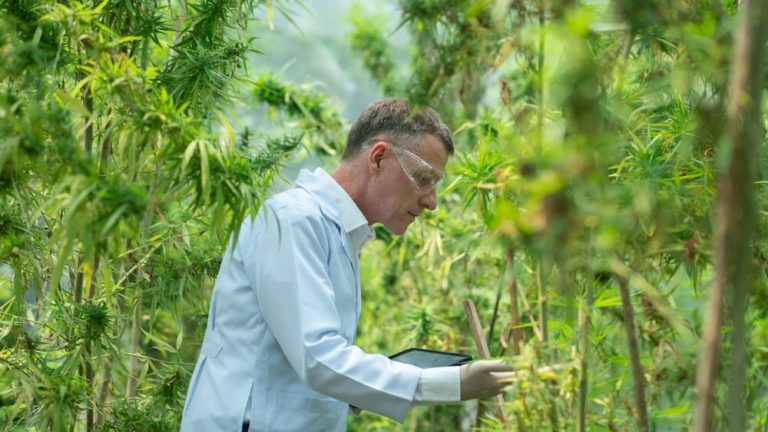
(398, 230)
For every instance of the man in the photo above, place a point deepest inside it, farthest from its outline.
(278, 352)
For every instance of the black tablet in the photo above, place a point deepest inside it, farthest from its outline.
(425, 358)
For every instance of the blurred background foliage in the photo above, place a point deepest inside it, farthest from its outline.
(136, 135)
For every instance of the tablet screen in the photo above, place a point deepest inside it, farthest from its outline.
(428, 358)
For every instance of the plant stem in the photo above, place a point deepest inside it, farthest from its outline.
(106, 146)
(514, 315)
(88, 368)
(133, 362)
(78, 289)
(540, 77)
(88, 103)
(495, 315)
(542, 304)
(104, 392)
(622, 64)
(584, 331)
(89, 373)
(735, 221)
(634, 355)
(89, 379)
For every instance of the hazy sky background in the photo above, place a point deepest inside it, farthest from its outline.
(318, 52)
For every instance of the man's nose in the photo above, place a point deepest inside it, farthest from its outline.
(428, 199)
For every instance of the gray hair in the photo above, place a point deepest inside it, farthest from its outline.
(392, 120)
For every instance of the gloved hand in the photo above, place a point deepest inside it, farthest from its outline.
(483, 378)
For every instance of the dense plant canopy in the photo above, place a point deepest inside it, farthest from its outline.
(605, 210)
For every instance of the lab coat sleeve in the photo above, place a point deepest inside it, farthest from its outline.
(440, 385)
(296, 297)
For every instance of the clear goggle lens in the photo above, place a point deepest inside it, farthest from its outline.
(421, 173)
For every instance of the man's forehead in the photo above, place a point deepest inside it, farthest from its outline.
(432, 150)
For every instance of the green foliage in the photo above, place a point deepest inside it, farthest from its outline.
(591, 154)
(319, 123)
(209, 54)
(140, 418)
(121, 181)
(457, 43)
(369, 41)
(588, 145)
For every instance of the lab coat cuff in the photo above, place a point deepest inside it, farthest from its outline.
(438, 386)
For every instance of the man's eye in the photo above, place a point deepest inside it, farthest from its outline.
(425, 179)
(422, 179)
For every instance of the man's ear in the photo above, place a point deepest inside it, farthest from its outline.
(376, 154)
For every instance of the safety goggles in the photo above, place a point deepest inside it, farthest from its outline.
(423, 175)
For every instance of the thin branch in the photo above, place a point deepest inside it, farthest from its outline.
(514, 315)
(495, 315)
(584, 331)
(528, 310)
(542, 305)
(638, 374)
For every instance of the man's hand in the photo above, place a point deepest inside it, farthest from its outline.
(484, 378)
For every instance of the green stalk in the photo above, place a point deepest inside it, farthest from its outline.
(514, 315)
(133, 363)
(540, 77)
(584, 331)
(495, 315)
(104, 392)
(638, 375)
(89, 372)
(88, 103)
(88, 368)
(542, 305)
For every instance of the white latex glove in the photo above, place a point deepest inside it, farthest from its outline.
(484, 378)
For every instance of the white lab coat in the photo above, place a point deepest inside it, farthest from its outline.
(282, 324)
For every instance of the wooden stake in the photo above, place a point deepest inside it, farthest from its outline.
(482, 349)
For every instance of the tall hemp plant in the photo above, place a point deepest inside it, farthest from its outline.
(735, 224)
(586, 141)
(121, 179)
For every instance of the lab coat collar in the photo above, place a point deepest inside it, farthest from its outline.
(337, 204)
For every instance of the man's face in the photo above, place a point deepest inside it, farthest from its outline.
(405, 186)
